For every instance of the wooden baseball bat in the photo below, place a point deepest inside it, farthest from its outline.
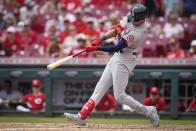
(62, 61)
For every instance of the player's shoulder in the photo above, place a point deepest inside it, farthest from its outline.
(161, 99)
(124, 22)
(170, 53)
(193, 101)
(42, 94)
(147, 99)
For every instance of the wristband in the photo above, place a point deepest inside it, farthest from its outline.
(103, 37)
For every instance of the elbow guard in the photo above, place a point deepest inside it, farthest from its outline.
(117, 27)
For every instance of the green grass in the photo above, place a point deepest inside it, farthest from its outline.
(92, 120)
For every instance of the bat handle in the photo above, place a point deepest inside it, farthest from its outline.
(79, 53)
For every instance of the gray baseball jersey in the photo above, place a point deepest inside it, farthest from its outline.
(133, 36)
(120, 66)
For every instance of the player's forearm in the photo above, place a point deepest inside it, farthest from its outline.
(113, 48)
(114, 31)
(110, 34)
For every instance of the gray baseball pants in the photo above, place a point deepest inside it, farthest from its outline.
(117, 73)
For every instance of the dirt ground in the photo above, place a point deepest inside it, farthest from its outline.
(89, 127)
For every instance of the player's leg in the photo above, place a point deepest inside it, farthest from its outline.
(101, 88)
(120, 80)
(120, 76)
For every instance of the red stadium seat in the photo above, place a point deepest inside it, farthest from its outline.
(148, 48)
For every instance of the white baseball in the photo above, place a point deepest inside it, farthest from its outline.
(21, 24)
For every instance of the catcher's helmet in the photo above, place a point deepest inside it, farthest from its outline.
(138, 13)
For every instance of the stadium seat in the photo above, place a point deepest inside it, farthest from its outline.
(148, 48)
(22, 53)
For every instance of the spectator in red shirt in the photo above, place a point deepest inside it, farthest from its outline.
(36, 25)
(192, 105)
(62, 35)
(29, 37)
(13, 40)
(91, 32)
(81, 38)
(155, 100)
(100, 2)
(193, 50)
(79, 23)
(35, 101)
(46, 40)
(175, 52)
(21, 2)
(107, 103)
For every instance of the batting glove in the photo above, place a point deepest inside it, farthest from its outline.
(96, 42)
(91, 48)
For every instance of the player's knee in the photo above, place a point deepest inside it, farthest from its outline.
(119, 97)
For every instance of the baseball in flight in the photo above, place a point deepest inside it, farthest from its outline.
(21, 24)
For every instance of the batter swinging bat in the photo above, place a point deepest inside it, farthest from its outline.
(62, 61)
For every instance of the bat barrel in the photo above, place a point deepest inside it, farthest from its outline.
(59, 62)
(62, 61)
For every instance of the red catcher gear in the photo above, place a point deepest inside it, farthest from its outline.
(91, 48)
(96, 42)
(87, 108)
(35, 83)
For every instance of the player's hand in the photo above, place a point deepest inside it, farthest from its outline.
(91, 48)
(96, 42)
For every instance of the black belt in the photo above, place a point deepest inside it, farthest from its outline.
(133, 53)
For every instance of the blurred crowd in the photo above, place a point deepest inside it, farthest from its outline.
(57, 28)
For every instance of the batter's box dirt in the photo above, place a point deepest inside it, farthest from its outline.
(90, 127)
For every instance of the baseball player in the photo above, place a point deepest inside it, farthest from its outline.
(128, 34)
(35, 100)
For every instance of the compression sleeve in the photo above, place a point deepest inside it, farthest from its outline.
(113, 48)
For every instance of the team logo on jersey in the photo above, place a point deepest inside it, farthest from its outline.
(38, 101)
(130, 38)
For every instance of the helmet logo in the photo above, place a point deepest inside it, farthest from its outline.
(132, 13)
